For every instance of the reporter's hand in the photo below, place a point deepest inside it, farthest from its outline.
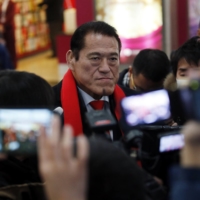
(191, 150)
(64, 174)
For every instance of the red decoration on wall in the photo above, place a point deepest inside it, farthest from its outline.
(69, 4)
(85, 11)
(182, 21)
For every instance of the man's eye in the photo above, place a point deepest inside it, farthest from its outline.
(113, 59)
(183, 70)
(95, 58)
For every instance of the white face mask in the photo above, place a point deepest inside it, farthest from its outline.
(182, 82)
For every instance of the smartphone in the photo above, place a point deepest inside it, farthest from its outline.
(171, 142)
(19, 129)
(146, 108)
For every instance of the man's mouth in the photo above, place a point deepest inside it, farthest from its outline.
(104, 78)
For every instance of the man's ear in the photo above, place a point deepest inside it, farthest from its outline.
(70, 59)
(130, 70)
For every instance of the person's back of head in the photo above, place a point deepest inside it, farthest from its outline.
(150, 68)
(97, 27)
(113, 175)
(186, 56)
(23, 89)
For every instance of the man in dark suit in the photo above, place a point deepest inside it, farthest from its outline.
(54, 14)
(93, 62)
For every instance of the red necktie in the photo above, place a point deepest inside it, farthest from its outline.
(97, 105)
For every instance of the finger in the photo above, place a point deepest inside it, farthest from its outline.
(54, 136)
(47, 147)
(191, 133)
(41, 143)
(42, 149)
(82, 150)
(67, 143)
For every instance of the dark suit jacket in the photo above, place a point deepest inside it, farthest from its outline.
(54, 10)
(117, 132)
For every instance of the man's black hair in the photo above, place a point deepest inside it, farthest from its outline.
(23, 89)
(97, 27)
(113, 175)
(152, 63)
(190, 51)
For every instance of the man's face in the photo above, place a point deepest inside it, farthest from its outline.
(143, 84)
(97, 69)
(183, 68)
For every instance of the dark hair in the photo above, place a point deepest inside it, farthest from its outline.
(23, 89)
(152, 63)
(77, 40)
(190, 51)
(113, 175)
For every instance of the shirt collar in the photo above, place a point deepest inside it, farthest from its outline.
(87, 98)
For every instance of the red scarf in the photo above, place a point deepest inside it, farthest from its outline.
(70, 102)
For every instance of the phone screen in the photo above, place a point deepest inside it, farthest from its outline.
(19, 129)
(146, 108)
(171, 142)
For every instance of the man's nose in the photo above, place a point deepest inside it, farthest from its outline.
(104, 66)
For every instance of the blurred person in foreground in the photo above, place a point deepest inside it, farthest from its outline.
(93, 61)
(148, 72)
(22, 90)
